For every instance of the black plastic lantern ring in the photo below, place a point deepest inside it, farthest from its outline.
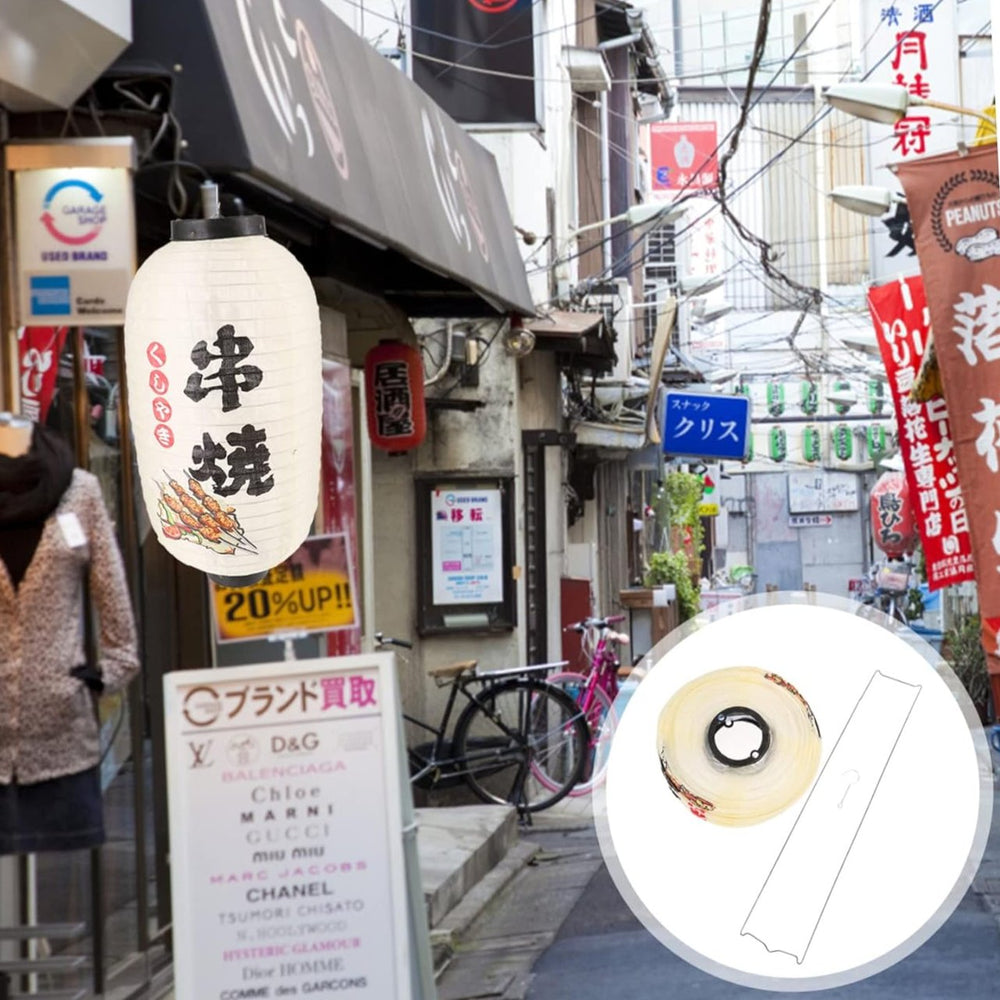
(725, 720)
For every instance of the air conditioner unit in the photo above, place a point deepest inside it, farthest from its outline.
(613, 297)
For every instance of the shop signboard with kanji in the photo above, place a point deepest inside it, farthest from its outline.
(706, 426)
(287, 865)
(467, 546)
(311, 591)
(902, 326)
(682, 158)
(913, 45)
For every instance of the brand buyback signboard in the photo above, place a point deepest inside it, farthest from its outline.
(75, 245)
(286, 841)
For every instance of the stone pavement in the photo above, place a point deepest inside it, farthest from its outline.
(473, 858)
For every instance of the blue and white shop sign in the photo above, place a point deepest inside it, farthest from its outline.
(706, 425)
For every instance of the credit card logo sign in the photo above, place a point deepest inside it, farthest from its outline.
(50, 295)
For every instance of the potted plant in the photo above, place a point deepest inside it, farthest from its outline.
(677, 516)
(673, 567)
(963, 649)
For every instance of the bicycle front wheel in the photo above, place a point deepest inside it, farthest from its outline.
(515, 728)
(601, 722)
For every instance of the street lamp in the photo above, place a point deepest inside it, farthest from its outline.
(842, 397)
(866, 199)
(887, 102)
(639, 214)
(699, 284)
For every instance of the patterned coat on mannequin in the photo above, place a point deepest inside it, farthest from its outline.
(47, 724)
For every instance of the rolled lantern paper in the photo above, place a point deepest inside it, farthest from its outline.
(843, 446)
(893, 528)
(876, 441)
(775, 399)
(876, 397)
(394, 390)
(809, 398)
(223, 353)
(811, 444)
(779, 444)
(841, 386)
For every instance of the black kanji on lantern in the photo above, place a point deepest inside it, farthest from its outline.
(231, 377)
(393, 400)
(248, 461)
(207, 455)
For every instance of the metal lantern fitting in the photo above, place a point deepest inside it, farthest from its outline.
(893, 527)
(223, 352)
(394, 396)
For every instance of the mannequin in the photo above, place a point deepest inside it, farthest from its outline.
(54, 528)
(15, 435)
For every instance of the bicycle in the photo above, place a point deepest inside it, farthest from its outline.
(595, 692)
(520, 740)
(886, 588)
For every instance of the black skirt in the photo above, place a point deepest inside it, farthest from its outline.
(62, 814)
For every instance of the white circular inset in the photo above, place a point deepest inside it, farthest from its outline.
(861, 868)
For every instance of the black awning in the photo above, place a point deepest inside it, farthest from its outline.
(289, 97)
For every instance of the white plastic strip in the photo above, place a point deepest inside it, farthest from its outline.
(788, 909)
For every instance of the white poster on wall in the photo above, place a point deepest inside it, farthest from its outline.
(285, 830)
(467, 546)
(75, 245)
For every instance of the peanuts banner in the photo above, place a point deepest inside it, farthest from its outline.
(899, 312)
(954, 202)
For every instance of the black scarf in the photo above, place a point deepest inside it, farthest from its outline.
(31, 487)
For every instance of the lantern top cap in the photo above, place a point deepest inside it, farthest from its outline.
(218, 228)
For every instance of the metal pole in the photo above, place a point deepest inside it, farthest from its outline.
(82, 436)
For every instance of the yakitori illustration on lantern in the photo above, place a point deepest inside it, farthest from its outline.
(223, 356)
(394, 392)
(893, 527)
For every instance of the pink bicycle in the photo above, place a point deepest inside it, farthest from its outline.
(595, 693)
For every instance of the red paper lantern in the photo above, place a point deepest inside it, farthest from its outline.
(394, 387)
(893, 527)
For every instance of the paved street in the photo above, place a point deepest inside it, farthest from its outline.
(560, 931)
(602, 951)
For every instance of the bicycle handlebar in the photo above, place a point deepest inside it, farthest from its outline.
(387, 640)
(588, 623)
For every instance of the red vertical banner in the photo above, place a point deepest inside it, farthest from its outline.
(954, 202)
(38, 350)
(339, 501)
(899, 312)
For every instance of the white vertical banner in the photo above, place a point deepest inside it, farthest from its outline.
(914, 45)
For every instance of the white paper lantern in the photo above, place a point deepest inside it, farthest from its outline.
(223, 356)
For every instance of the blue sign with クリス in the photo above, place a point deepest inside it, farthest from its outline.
(706, 426)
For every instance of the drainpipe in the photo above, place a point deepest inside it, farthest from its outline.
(605, 184)
(678, 39)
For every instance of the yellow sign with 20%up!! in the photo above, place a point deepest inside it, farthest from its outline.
(309, 592)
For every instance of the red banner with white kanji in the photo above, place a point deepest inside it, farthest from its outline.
(38, 351)
(899, 312)
(954, 202)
